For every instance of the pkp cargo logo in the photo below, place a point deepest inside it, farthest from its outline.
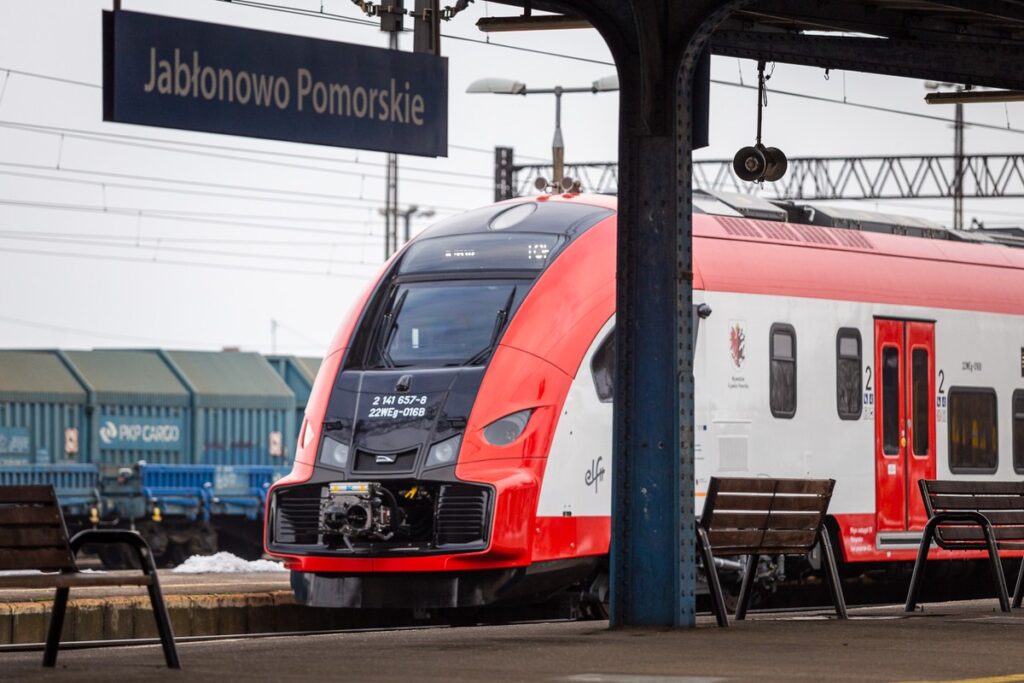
(108, 432)
(737, 343)
(147, 433)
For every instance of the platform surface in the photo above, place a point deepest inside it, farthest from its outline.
(947, 642)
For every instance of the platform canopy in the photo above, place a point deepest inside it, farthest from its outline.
(661, 50)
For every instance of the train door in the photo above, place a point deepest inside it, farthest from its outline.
(904, 421)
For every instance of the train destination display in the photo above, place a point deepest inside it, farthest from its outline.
(177, 73)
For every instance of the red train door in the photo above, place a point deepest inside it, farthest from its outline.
(904, 421)
(920, 372)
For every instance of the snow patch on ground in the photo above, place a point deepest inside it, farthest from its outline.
(225, 563)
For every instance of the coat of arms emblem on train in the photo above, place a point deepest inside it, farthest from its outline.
(737, 344)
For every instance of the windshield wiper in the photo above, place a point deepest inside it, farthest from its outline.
(389, 327)
(499, 324)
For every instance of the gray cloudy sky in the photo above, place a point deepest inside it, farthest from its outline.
(118, 235)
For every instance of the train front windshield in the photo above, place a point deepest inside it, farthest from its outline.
(448, 323)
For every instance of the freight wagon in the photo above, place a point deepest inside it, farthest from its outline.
(180, 445)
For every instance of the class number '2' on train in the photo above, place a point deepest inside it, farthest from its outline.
(456, 449)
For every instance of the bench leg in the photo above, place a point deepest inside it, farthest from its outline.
(917, 578)
(60, 604)
(163, 625)
(1019, 589)
(997, 567)
(714, 586)
(746, 588)
(835, 585)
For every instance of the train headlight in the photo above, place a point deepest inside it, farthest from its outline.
(506, 430)
(333, 453)
(444, 452)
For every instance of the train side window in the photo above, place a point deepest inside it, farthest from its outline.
(1018, 431)
(848, 373)
(782, 371)
(921, 400)
(890, 400)
(973, 430)
(602, 366)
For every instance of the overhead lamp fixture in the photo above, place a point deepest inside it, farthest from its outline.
(974, 96)
(504, 86)
(529, 22)
(606, 84)
(498, 86)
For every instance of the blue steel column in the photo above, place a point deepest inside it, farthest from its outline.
(653, 554)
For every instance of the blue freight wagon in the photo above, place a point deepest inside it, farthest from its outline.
(140, 424)
(180, 445)
(43, 428)
(244, 429)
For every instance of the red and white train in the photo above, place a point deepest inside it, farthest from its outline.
(457, 446)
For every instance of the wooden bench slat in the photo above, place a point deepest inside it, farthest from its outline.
(73, 580)
(999, 517)
(785, 503)
(983, 487)
(31, 536)
(765, 520)
(763, 485)
(27, 494)
(975, 533)
(975, 502)
(726, 551)
(37, 558)
(18, 516)
(752, 540)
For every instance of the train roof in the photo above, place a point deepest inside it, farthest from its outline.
(37, 377)
(884, 265)
(236, 379)
(131, 377)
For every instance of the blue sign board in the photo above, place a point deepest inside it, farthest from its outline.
(175, 73)
(140, 433)
(14, 445)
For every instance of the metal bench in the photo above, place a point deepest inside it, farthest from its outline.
(764, 516)
(33, 536)
(972, 515)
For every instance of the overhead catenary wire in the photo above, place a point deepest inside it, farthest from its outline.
(59, 175)
(156, 246)
(155, 240)
(172, 216)
(149, 143)
(179, 262)
(232, 157)
(24, 322)
(11, 320)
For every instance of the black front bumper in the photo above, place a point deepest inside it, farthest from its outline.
(434, 590)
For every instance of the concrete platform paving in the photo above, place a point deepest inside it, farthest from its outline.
(964, 641)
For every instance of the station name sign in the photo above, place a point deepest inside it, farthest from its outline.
(176, 73)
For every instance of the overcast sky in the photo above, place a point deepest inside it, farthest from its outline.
(119, 235)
